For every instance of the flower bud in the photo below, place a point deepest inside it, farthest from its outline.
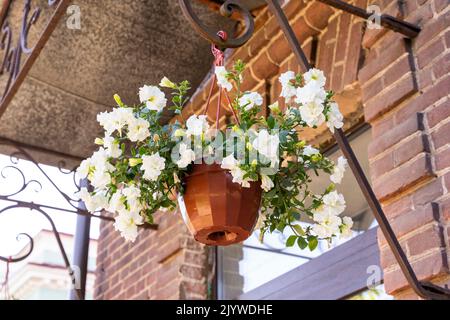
(254, 163)
(179, 133)
(134, 162)
(301, 144)
(166, 83)
(99, 141)
(330, 188)
(118, 100)
(316, 157)
(156, 137)
(275, 107)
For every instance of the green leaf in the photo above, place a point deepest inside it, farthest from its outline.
(283, 136)
(281, 226)
(299, 229)
(272, 227)
(271, 193)
(291, 241)
(271, 122)
(149, 218)
(313, 242)
(302, 243)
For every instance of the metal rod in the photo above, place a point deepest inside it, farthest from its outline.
(439, 293)
(81, 251)
(387, 21)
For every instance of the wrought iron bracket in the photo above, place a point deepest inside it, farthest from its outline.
(18, 152)
(423, 289)
(227, 9)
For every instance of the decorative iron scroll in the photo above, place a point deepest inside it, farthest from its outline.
(20, 153)
(12, 172)
(12, 197)
(16, 47)
(227, 9)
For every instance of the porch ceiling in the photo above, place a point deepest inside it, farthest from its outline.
(121, 46)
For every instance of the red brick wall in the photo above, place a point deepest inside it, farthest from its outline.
(405, 92)
(162, 264)
(400, 88)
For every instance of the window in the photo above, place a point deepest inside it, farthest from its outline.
(247, 266)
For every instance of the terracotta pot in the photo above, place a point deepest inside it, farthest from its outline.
(217, 211)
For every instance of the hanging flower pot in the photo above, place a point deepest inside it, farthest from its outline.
(217, 210)
(260, 168)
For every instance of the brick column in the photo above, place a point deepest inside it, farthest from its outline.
(161, 264)
(405, 89)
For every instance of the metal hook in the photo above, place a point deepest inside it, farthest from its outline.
(226, 10)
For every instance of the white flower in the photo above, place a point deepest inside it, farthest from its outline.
(334, 203)
(321, 231)
(312, 113)
(153, 97)
(311, 92)
(267, 144)
(112, 147)
(346, 227)
(328, 227)
(94, 202)
(335, 117)
(222, 81)
(186, 156)
(288, 90)
(327, 215)
(117, 202)
(250, 100)
(315, 75)
(84, 168)
(138, 130)
(238, 177)
(99, 158)
(310, 151)
(328, 223)
(115, 120)
(132, 195)
(196, 125)
(152, 166)
(266, 183)
(101, 178)
(100, 168)
(339, 170)
(126, 223)
(166, 83)
(230, 163)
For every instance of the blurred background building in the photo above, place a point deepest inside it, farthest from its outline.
(43, 275)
